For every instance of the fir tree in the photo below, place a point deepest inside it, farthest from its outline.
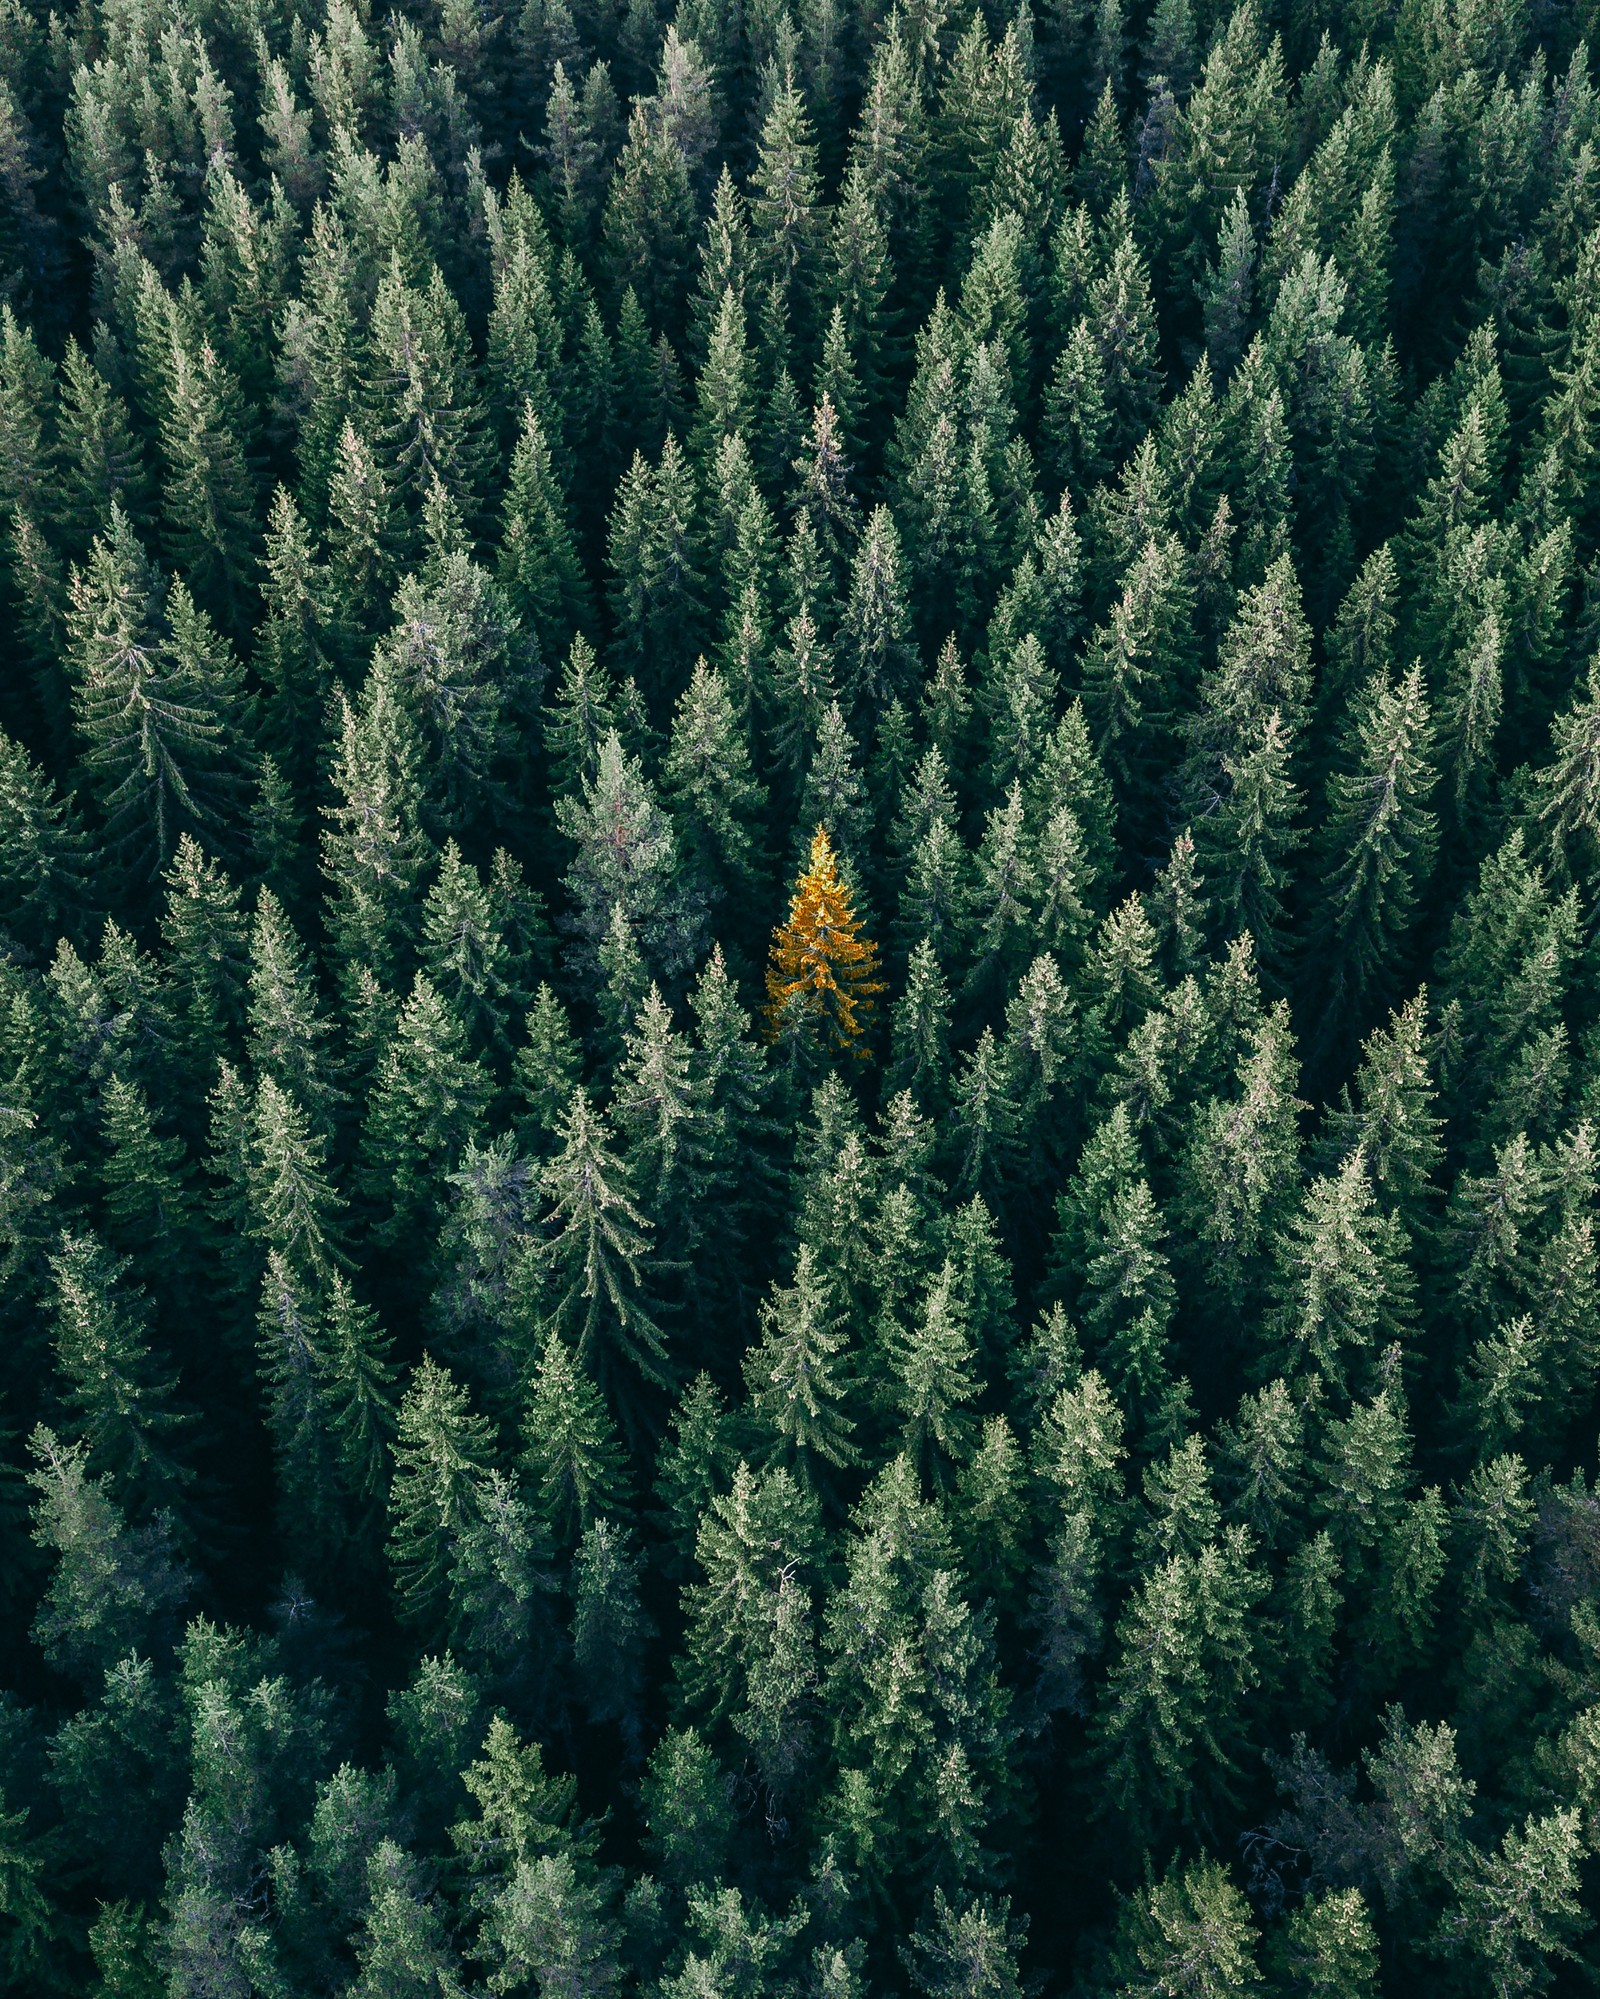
(145, 1178)
(463, 953)
(538, 567)
(442, 1459)
(428, 1095)
(114, 1587)
(294, 1208)
(286, 1027)
(373, 848)
(43, 886)
(822, 977)
(709, 783)
(120, 1404)
(798, 1387)
(1379, 842)
(587, 1271)
(158, 710)
(569, 1445)
(627, 859)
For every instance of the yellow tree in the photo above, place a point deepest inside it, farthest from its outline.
(823, 971)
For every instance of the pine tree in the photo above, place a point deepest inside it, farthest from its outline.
(1379, 840)
(363, 542)
(709, 784)
(833, 795)
(442, 1458)
(1245, 842)
(291, 652)
(120, 1403)
(919, 1038)
(538, 567)
(463, 953)
(453, 663)
(723, 389)
(1229, 288)
(928, 1738)
(649, 218)
(986, 1116)
(1392, 1120)
(1170, 1714)
(570, 1447)
(114, 1587)
(145, 1180)
(931, 1382)
(609, 1630)
(626, 859)
(428, 1096)
(1569, 785)
(373, 848)
(307, 1494)
(44, 889)
(358, 1392)
(426, 420)
(286, 1028)
(695, 1463)
(294, 1208)
(653, 555)
(546, 1069)
(208, 496)
(755, 1548)
(1191, 1932)
(798, 1387)
(159, 711)
(1524, 1908)
(1136, 666)
(785, 212)
(1342, 1279)
(821, 981)
(581, 716)
(1003, 896)
(655, 1109)
(687, 1809)
(101, 456)
(1241, 1166)
(971, 1950)
(876, 658)
(588, 1271)
(204, 933)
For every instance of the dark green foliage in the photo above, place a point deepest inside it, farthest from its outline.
(1093, 1493)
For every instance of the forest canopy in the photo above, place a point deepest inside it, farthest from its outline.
(799, 999)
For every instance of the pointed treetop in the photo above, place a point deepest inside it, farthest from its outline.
(823, 967)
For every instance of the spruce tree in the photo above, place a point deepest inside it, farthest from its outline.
(287, 1029)
(294, 1207)
(588, 1269)
(1378, 845)
(709, 784)
(373, 847)
(428, 1095)
(569, 1446)
(463, 953)
(120, 1403)
(538, 566)
(626, 859)
(158, 705)
(798, 1387)
(43, 886)
(821, 981)
(442, 1458)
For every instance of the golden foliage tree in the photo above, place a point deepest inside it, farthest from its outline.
(823, 969)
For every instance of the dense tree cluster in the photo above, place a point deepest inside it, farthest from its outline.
(799, 1024)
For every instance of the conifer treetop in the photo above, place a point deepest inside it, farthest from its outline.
(822, 971)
